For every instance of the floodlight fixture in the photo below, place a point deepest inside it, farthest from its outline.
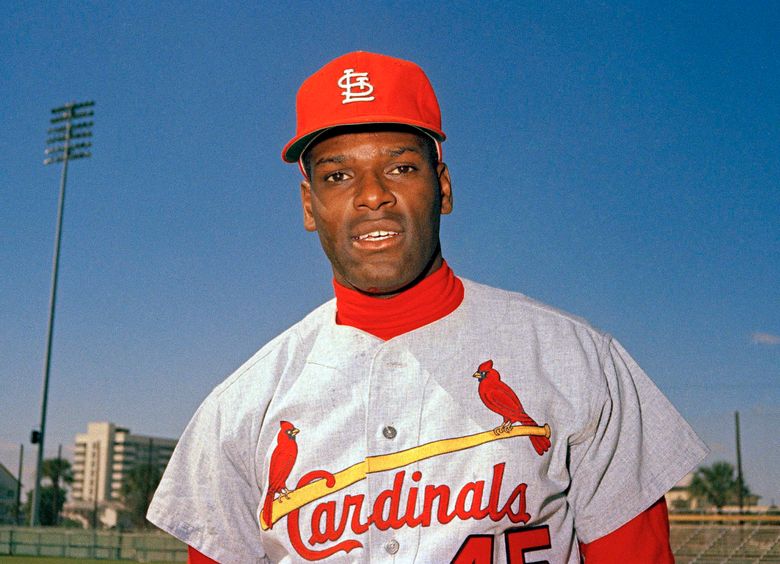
(60, 149)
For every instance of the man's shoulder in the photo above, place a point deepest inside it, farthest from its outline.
(278, 354)
(515, 307)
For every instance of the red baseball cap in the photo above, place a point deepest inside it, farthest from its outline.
(364, 88)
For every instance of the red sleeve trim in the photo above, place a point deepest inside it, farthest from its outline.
(644, 539)
(195, 557)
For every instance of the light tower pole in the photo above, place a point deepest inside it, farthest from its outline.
(740, 489)
(61, 149)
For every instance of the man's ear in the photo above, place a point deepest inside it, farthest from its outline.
(445, 188)
(308, 216)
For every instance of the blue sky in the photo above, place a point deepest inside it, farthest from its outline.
(619, 161)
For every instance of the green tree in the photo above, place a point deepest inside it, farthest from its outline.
(717, 485)
(51, 505)
(57, 470)
(137, 491)
(54, 472)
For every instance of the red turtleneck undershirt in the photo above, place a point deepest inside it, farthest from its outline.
(644, 539)
(434, 297)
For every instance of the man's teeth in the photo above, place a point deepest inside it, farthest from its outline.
(376, 235)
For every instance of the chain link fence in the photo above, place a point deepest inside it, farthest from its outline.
(67, 543)
(726, 544)
(692, 543)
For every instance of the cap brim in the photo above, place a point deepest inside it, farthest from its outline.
(298, 145)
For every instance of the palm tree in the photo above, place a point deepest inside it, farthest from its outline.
(56, 469)
(717, 484)
(51, 504)
(137, 491)
(55, 472)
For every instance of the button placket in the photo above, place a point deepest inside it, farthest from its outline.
(393, 416)
(392, 546)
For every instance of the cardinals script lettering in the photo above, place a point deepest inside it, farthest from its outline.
(397, 507)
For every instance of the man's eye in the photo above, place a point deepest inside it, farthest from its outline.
(337, 176)
(403, 169)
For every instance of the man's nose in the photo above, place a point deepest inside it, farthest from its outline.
(373, 193)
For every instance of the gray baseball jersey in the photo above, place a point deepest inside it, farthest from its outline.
(331, 444)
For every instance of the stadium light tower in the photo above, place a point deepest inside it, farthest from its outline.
(64, 144)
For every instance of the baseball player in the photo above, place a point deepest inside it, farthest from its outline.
(418, 416)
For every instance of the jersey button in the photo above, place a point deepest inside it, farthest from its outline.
(389, 432)
(392, 546)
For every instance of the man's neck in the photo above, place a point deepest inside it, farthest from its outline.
(430, 299)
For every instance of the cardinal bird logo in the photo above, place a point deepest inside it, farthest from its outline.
(282, 461)
(500, 398)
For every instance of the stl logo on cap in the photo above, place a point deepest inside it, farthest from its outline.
(361, 83)
(325, 99)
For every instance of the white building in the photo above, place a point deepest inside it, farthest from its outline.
(103, 457)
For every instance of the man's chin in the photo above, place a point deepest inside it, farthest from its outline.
(382, 283)
(380, 289)
(385, 279)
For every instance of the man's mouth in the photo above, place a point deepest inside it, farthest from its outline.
(376, 236)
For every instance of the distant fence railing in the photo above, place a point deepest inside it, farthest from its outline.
(712, 543)
(77, 543)
(694, 539)
(726, 518)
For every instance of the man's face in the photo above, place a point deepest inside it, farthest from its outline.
(375, 200)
